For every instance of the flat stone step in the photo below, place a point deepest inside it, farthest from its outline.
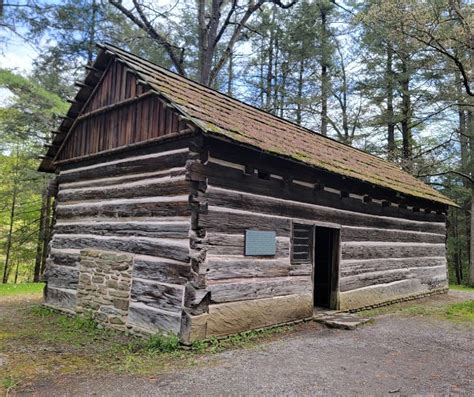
(341, 320)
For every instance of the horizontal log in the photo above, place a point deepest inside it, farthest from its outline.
(358, 266)
(267, 162)
(234, 244)
(153, 187)
(161, 269)
(369, 250)
(434, 277)
(171, 173)
(380, 293)
(366, 279)
(219, 268)
(243, 289)
(66, 257)
(167, 248)
(153, 320)
(150, 206)
(129, 165)
(222, 220)
(126, 228)
(62, 276)
(235, 179)
(158, 295)
(229, 318)
(60, 298)
(292, 209)
(350, 233)
(301, 269)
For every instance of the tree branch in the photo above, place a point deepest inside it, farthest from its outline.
(461, 174)
(144, 24)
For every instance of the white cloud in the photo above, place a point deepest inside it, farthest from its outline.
(17, 54)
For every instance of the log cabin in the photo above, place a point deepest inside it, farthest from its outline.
(180, 209)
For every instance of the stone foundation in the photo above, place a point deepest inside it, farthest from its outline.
(105, 280)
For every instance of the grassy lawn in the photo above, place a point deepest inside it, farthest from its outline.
(461, 288)
(21, 289)
(460, 312)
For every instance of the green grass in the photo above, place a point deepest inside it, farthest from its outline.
(455, 312)
(461, 287)
(461, 312)
(21, 289)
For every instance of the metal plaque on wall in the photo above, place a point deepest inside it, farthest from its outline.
(259, 242)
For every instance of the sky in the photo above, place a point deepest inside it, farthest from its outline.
(15, 53)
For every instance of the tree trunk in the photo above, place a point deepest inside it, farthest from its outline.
(406, 115)
(470, 130)
(40, 243)
(471, 247)
(16, 271)
(92, 33)
(324, 71)
(276, 82)
(269, 76)
(9, 236)
(207, 38)
(230, 74)
(284, 75)
(299, 99)
(389, 79)
(456, 259)
(47, 229)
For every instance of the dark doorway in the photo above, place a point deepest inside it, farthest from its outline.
(326, 249)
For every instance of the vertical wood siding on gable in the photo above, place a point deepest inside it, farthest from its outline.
(120, 125)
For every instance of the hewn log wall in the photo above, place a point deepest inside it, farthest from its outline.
(386, 251)
(137, 204)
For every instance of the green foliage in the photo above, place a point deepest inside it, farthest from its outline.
(164, 343)
(26, 119)
(8, 383)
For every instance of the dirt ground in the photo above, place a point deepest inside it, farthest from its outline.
(408, 349)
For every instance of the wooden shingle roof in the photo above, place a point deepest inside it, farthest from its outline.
(217, 114)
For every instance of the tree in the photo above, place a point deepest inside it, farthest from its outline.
(215, 20)
(25, 122)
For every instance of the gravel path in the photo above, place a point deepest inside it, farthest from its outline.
(397, 355)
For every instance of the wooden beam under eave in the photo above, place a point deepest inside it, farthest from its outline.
(80, 84)
(92, 69)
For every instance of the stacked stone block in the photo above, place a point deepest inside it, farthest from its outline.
(105, 281)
